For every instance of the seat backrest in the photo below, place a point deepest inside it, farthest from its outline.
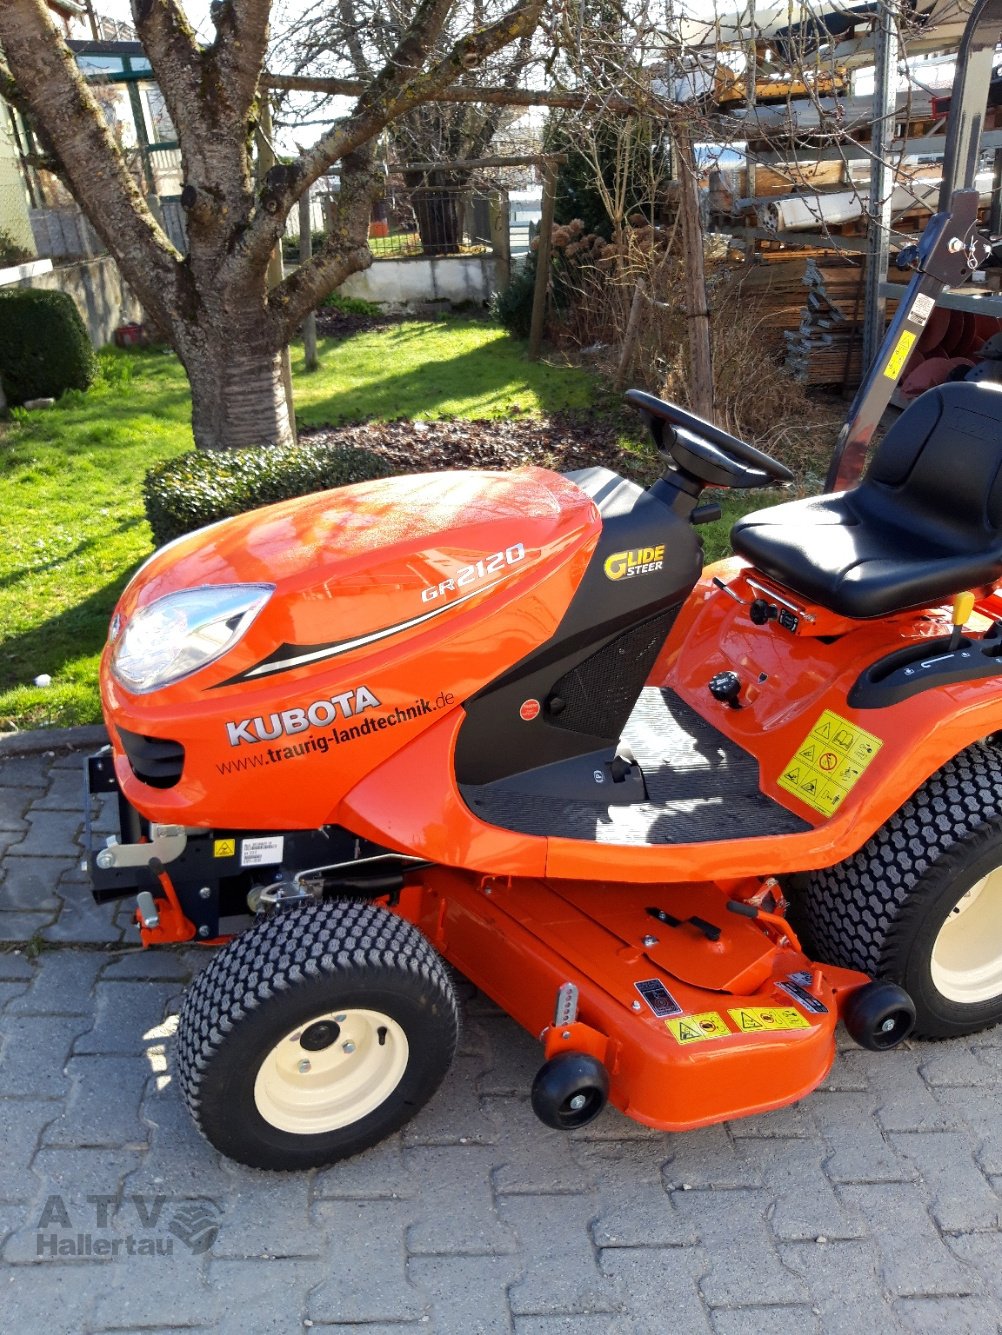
(942, 461)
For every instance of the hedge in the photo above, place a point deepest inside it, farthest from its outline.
(194, 489)
(44, 348)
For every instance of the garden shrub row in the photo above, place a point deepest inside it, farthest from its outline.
(198, 488)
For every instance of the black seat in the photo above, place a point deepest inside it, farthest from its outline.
(924, 523)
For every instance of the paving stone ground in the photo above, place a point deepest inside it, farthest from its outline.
(875, 1205)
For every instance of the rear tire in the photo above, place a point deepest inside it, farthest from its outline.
(315, 1034)
(921, 903)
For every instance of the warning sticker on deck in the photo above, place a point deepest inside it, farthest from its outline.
(899, 356)
(698, 1028)
(224, 848)
(658, 997)
(794, 987)
(831, 759)
(771, 1019)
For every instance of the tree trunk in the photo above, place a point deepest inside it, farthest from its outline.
(237, 397)
(438, 208)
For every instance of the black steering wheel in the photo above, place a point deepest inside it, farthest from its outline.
(706, 451)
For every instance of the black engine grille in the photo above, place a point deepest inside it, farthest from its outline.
(598, 695)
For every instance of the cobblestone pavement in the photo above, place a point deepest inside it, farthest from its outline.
(873, 1206)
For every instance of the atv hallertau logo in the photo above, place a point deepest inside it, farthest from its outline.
(319, 714)
(639, 561)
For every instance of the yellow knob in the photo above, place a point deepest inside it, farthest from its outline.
(963, 606)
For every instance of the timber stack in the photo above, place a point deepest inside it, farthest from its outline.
(811, 311)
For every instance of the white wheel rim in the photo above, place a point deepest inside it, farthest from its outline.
(967, 953)
(309, 1092)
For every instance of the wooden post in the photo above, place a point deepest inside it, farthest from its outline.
(543, 261)
(632, 332)
(276, 269)
(501, 238)
(305, 254)
(696, 308)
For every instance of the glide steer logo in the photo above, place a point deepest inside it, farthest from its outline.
(639, 561)
(319, 714)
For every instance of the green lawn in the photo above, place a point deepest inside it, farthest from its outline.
(70, 505)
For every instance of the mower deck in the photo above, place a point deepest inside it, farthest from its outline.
(699, 1012)
(697, 782)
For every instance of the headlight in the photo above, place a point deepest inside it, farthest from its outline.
(182, 632)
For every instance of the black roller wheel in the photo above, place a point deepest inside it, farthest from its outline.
(315, 1034)
(879, 1016)
(921, 903)
(570, 1090)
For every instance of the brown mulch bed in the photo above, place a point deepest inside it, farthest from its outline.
(561, 441)
(332, 323)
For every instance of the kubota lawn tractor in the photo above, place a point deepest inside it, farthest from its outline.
(503, 721)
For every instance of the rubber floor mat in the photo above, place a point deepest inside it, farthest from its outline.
(701, 787)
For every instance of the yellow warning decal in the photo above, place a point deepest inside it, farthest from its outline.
(757, 1019)
(899, 356)
(224, 848)
(697, 1028)
(830, 760)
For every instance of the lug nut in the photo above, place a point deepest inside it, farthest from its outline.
(348, 1047)
(304, 1066)
(340, 1019)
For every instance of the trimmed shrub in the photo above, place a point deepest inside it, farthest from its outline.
(44, 348)
(334, 301)
(290, 245)
(198, 488)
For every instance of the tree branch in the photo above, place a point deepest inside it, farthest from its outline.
(355, 50)
(169, 41)
(50, 87)
(508, 97)
(478, 142)
(237, 54)
(409, 54)
(346, 250)
(368, 118)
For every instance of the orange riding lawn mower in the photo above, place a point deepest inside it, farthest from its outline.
(504, 722)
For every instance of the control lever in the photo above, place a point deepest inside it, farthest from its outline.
(726, 588)
(963, 606)
(710, 930)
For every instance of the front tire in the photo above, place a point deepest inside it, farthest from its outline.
(921, 903)
(314, 1035)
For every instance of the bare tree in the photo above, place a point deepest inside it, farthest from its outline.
(358, 37)
(214, 304)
